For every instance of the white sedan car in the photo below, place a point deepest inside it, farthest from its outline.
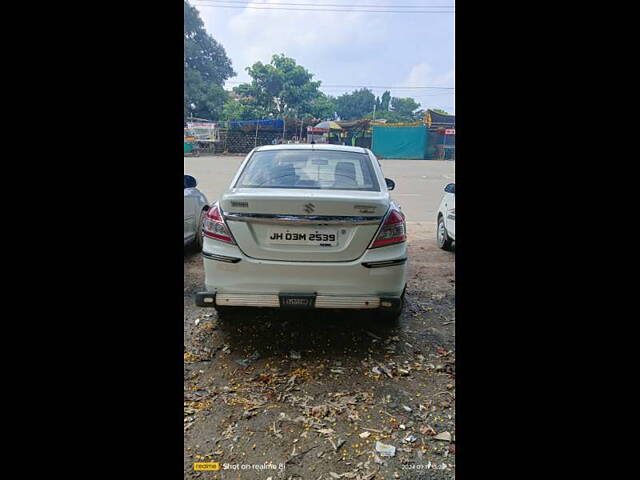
(195, 208)
(446, 233)
(306, 226)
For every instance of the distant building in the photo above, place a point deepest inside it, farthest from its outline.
(441, 142)
(436, 119)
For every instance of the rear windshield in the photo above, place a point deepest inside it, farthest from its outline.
(315, 169)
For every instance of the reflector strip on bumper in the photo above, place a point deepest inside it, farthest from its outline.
(220, 258)
(384, 263)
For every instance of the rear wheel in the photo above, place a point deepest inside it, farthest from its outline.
(444, 242)
(197, 242)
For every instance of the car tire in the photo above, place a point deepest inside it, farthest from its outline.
(444, 241)
(197, 242)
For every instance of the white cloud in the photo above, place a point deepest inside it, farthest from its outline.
(423, 74)
(321, 37)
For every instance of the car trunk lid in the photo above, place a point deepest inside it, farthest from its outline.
(303, 224)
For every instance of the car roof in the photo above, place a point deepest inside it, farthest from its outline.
(308, 146)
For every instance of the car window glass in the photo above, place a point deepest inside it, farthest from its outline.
(316, 169)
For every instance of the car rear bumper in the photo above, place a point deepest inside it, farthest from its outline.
(206, 299)
(239, 280)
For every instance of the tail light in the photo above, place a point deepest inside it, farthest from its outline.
(393, 230)
(214, 226)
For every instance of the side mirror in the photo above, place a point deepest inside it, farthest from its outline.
(189, 181)
(450, 188)
(390, 184)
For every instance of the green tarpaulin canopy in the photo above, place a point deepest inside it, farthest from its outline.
(399, 142)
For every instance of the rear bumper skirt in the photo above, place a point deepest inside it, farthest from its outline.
(207, 299)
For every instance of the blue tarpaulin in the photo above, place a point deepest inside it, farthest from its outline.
(273, 123)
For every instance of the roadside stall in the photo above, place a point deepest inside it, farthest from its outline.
(190, 146)
(205, 134)
(317, 135)
(332, 133)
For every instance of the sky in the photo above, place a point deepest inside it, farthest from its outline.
(343, 48)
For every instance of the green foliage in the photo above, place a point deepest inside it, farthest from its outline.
(206, 67)
(396, 110)
(390, 116)
(243, 108)
(359, 104)
(323, 107)
(208, 97)
(437, 110)
(283, 87)
(351, 106)
(384, 101)
(382, 104)
(405, 107)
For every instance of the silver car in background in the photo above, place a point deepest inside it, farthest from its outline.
(195, 209)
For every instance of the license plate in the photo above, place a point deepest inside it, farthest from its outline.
(297, 301)
(302, 236)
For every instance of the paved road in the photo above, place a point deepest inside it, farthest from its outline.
(419, 183)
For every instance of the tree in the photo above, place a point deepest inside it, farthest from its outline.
(384, 102)
(405, 107)
(323, 107)
(282, 86)
(243, 108)
(351, 106)
(401, 109)
(206, 67)
(437, 110)
(390, 116)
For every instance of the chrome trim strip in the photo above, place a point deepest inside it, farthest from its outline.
(301, 219)
(240, 300)
(347, 302)
(385, 263)
(322, 301)
(220, 258)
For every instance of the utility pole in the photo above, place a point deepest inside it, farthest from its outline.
(255, 143)
(374, 111)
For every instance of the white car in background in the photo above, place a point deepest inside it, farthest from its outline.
(446, 232)
(306, 226)
(195, 208)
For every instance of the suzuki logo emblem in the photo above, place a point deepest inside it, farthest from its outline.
(309, 207)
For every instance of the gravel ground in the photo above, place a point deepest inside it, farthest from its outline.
(291, 395)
